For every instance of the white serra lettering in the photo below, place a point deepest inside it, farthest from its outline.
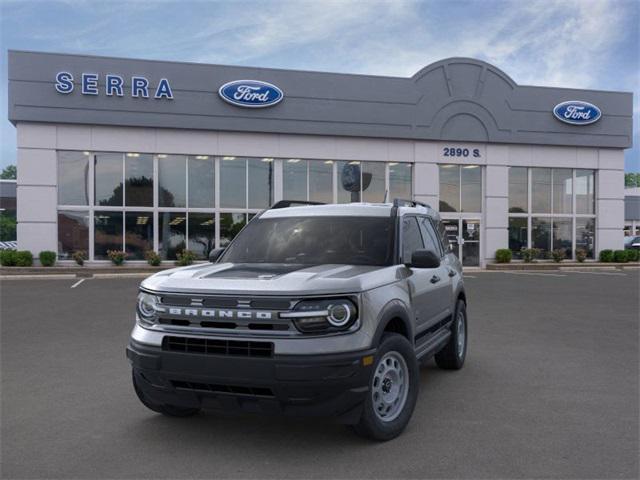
(114, 85)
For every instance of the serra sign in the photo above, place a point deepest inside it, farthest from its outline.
(113, 85)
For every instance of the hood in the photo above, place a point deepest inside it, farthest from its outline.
(271, 279)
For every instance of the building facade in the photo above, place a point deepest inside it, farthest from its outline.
(632, 211)
(142, 155)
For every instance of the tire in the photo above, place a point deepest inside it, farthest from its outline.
(394, 355)
(168, 410)
(452, 356)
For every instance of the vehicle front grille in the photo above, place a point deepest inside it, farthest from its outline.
(231, 389)
(207, 346)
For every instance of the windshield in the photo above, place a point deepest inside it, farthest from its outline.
(314, 241)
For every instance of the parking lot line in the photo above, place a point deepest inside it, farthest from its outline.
(538, 274)
(599, 273)
(78, 283)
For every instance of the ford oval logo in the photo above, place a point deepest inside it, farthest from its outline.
(250, 93)
(577, 112)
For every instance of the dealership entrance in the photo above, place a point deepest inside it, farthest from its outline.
(464, 237)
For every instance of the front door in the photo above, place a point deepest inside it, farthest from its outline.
(464, 237)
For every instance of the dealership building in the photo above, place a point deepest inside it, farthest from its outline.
(141, 155)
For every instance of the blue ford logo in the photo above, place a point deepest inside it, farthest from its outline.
(576, 112)
(250, 93)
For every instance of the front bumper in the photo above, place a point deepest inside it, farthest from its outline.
(331, 385)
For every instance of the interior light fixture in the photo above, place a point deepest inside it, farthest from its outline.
(293, 160)
(393, 164)
(162, 155)
(86, 153)
(134, 155)
(228, 158)
(328, 162)
(470, 166)
(355, 162)
(202, 157)
(267, 159)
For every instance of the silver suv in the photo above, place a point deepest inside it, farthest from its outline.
(311, 310)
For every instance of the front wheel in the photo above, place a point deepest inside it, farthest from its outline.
(393, 390)
(452, 356)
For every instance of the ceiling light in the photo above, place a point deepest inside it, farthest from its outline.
(267, 159)
(177, 220)
(133, 155)
(228, 158)
(202, 157)
(162, 155)
(393, 164)
(448, 166)
(293, 160)
(354, 163)
(85, 153)
(328, 162)
(470, 166)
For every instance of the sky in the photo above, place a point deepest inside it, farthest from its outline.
(566, 43)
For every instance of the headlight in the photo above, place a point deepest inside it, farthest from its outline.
(146, 307)
(324, 315)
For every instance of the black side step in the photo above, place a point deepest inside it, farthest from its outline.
(434, 343)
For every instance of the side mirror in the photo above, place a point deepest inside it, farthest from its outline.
(214, 254)
(424, 259)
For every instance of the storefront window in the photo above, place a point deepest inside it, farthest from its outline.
(138, 234)
(202, 234)
(108, 179)
(260, 182)
(73, 233)
(562, 190)
(400, 181)
(321, 181)
(138, 172)
(373, 183)
(541, 235)
(294, 178)
(471, 191)
(518, 190)
(562, 235)
(172, 234)
(73, 178)
(107, 234)
(172, 190)
(230, 226)
(233, 182)
(201, 182)
(449, 188)
(517, 235)
(585, 192)
(541, 190)
(585, 235)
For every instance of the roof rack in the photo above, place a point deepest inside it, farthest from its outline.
(293, 203)
(401, 202)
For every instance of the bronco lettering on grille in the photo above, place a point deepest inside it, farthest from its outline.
(217, 313)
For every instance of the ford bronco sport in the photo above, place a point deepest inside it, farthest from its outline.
(311, 310)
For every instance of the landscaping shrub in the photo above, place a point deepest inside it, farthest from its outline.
(186, 257)
(558, 255)
(79, 256)
(633, 255)
(620, 256)
(153, 258)
(7, 258)
(503, 255)
(24, 258)
(581, 254)
(606, 256)
(530, 254)
(117, 256)
(47, 258)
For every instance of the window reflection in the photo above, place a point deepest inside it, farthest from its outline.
(230, 226)
(73, 233)
(108, 179)
(73, 178)
(562, 235)
(471, 178)
(172, 234)
(541, 190)
(321, 181)
(400, 180)
(233, 182)
(449, 188)
(108, 233)
(585, 235)
(541, 235)
(138, 234)
(518, 190)
(373, 184)
(138, 180)
(201, 182)
(294, 179)
(562, 190)
(202, 234)
(517, 235)
(585, 191)
(172, 181)
(260, 182)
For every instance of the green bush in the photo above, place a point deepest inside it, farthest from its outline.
(581, 254)
(47, 258)
(558, 255)
(117, 256)
(530, 254)
(620, 256)
(7, 258)
(79, 256)
(24, 258)
(606, 256)
(633, 255)
(186, 257)
(503, 255)
(153, 258)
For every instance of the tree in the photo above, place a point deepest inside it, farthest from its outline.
(632, 180)
(9, 172)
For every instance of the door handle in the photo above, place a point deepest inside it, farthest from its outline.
(435, 279)
(452, 272)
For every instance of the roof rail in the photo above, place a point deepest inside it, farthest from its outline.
(400, 202)
(293, 203)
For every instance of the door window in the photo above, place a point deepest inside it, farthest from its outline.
(431, 241)
(411, 238)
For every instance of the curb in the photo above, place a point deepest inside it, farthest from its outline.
(561, 266)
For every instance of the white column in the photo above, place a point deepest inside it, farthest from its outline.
(37, 188)
(610, 200)
(496, 210)
(426, 178)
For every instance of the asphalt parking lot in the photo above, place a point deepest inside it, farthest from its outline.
(550, 389)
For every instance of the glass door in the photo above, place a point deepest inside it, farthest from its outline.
(464, 237)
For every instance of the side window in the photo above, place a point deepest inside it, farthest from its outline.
(444, 238)
(431, 241)
(411, 238)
